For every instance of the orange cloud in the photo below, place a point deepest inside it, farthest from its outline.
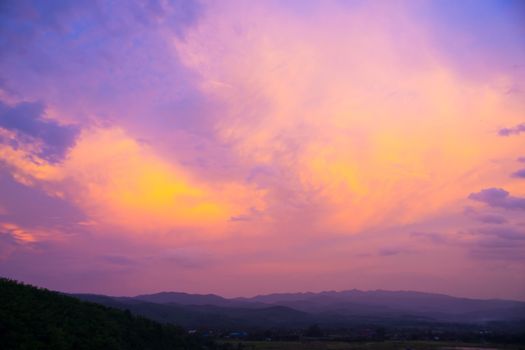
(380, 127)
(120, 182)
(371, 133)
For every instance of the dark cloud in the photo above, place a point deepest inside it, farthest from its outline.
(392, 251)
(434, 237)
(240, 218)
(26, 119)
(486, 218)
(182, 14)
(520, 173)
(120, 260)
(494, 252)
(498, 198)
(498, 243)
(176, 14)
(187, 258)
(122, 52)
(22, 20)
(518, 129)
(35, 208)
(491, 219)
(504, 243)
(252, 214)
(8, 244)
(502, 233)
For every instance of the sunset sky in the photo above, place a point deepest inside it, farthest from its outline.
(246, 147)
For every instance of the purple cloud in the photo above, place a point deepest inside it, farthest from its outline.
(120, 260)
(21, 21)
(491, 219)
(8, 244)
(498, 243)
(434, 237)
(498, 198)
(486, 218)
(518, 129)
(252, 214)
(392, 251)
(33, 208)
(240, 218)
(503, 233)
(26, 119)
(490, 251)
(520, 173)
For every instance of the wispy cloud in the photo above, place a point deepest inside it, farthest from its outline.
(519, 173)
(516, 130)
(491, 219)
(500, 243)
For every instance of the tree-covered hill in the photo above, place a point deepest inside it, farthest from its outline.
(35, 318)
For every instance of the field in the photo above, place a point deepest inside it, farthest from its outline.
(334, 345)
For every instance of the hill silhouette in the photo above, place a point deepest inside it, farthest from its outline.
(36, 318)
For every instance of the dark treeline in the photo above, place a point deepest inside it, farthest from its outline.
(491, 333)
(35, 318)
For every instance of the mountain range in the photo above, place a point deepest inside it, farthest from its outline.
(330, 309)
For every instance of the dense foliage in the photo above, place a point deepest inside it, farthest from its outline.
(35, 318)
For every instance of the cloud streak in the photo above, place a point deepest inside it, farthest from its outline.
(519, 174)
(516, 130)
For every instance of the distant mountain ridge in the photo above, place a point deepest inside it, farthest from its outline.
(329, 307)
(408, 301)
(192, 299)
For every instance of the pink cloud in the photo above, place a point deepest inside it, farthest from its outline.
(226, 146)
